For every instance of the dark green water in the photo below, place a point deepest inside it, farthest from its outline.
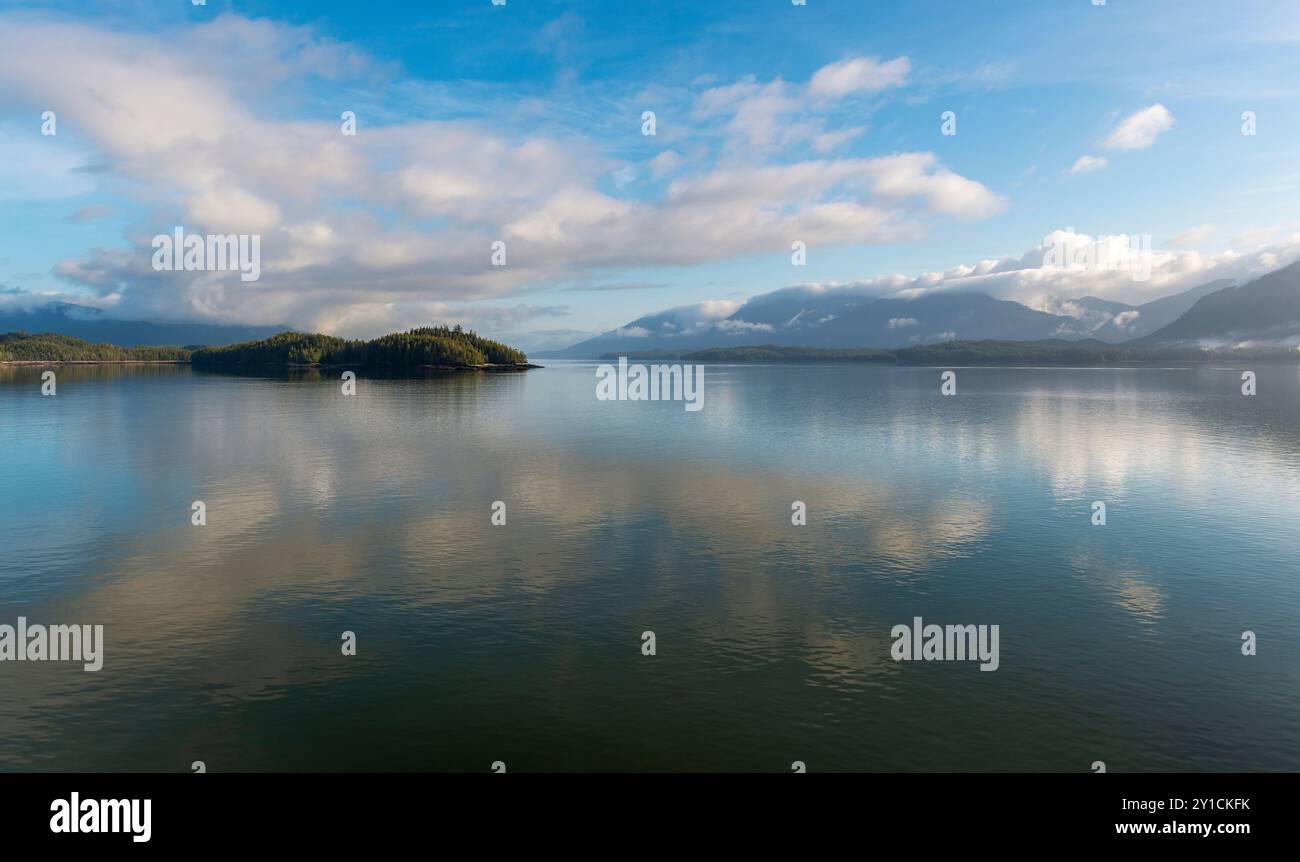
(522, 643)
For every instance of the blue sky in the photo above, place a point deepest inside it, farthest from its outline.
(774, 123)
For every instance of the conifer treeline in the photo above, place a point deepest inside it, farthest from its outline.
(439, 345)
(49, 347)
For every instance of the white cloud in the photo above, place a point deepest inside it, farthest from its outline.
(828, 142)
(758, 111)
(858, 75)
(1024, 278)
(1125, 319)
(708, 311)
(742, 326)
(1088, 164)
(1140, 130)
(779, 114)
(918, 174)
(900, 322)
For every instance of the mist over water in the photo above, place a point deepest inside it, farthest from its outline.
(521, 643)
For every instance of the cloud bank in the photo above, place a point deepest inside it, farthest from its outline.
(220, 128)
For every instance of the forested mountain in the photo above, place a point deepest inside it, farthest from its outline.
(1264, 310)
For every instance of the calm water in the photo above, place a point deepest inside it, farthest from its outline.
(521, 642)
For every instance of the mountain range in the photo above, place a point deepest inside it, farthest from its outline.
(1219, 313)
(806, 317)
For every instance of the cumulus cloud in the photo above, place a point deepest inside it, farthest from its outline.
(1140, 130)
(858, 75)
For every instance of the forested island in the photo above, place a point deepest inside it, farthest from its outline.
(428, 347)
(1052, 353)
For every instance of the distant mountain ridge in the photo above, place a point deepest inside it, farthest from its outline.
(799, 317)
(845, 319)
(1266, 310)
(90, 324)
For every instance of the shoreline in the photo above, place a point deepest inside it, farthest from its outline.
(956, 363)
(524, 366)
(94, 362)
(487, 366)
(964, 362)
(317, 366)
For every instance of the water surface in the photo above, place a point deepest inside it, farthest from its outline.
(521, 643)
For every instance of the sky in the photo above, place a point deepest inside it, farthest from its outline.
(525, 123)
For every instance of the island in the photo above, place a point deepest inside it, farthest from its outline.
(425, 348)
(436, 347)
